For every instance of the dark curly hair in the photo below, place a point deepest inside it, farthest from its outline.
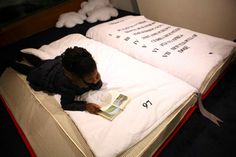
(78, 61)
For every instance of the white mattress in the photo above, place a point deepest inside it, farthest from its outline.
(186, 54)
(141, 82)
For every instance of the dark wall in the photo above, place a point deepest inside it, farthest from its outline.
(12, 10)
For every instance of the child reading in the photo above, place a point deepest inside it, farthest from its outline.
(70, 74)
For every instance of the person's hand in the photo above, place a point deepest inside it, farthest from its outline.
(92, 108)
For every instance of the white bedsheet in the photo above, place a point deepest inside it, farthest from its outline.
(184, 53)
(141, 82)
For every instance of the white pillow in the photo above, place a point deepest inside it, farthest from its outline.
(36, 52)
(55, 48)
(101, 14)
(70, 19)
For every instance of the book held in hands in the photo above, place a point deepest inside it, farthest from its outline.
(117, 105)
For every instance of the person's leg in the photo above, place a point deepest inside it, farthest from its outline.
(21, 68)
(32, 59)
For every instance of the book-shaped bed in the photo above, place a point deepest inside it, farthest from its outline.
(196, 58)
(158, 101)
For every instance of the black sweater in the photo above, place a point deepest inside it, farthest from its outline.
(50, 77)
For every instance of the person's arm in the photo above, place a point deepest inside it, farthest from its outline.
(68, 103)
(96, 86)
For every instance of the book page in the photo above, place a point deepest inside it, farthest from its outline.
(117, 105)
(117, 100)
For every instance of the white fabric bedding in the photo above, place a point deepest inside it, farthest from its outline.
(154, 95)
(184, 53)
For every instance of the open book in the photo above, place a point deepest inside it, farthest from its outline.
(170, 97)
(115, 107)
(156, 98)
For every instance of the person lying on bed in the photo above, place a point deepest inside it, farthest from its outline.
(70, 74)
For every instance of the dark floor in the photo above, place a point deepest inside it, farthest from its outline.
(197, 138)
(201, 138)
(11, 143)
